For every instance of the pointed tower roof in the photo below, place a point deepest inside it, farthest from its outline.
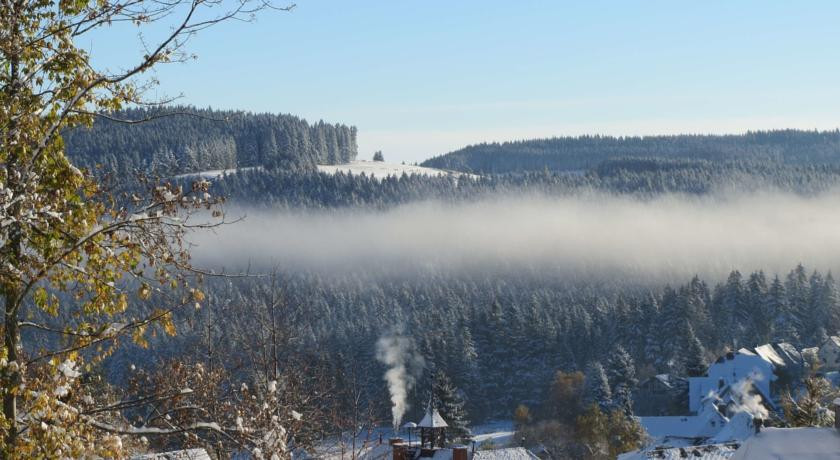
(432, 420)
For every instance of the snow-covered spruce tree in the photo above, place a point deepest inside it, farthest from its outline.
(622, 376)
(796, 286)
(694, 358)
(597, 387)
(784, 322)
(760, 324)
(729, 310)
(450, 403)
(73, 257)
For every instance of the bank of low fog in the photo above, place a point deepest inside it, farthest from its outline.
(663, 238)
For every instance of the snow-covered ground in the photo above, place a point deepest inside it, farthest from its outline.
(381, 170)
(497, 433)
(214, 173)
(377, 169)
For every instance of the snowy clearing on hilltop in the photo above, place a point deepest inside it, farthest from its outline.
(382, 170)
(377, 169)
(215, 173)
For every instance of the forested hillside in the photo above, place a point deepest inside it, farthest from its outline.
(499, 336)
(581, 153)
(642, 177)
(199, 139)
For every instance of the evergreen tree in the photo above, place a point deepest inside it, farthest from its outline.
(450, 403)
(597, 387)
(694, 361)
(377, 156)
(760, 318)
(784, 325)
(831, 304)
(622, 378)
(796, 286)
(731, 312)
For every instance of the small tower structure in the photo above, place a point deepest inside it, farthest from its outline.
(432, 430)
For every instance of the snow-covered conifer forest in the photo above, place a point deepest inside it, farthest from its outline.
(197, 283)
(325, 263)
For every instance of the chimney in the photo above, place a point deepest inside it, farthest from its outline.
(399, 449)
(757, 424)
(459, 453)
(836, 408)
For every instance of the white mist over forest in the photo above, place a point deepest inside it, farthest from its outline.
(664, 238)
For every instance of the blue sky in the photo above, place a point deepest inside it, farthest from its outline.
(423, 78)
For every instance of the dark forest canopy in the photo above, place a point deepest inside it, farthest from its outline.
(500, 336)
(200, 139)
(791, 147)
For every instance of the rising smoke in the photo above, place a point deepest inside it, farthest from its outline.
(745, 400)
(397, 352)
(668, 238)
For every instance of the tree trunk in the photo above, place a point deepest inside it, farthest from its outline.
(12, 288)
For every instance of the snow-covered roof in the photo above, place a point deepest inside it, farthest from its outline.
(703, 452)
(188, 454)
(738, 429)
(790, 444)
(735, 394)
(432, 420)
(832, 340)
(704, 425)
(512, 453)
(669, 380)
(769, 354)
(788, 352)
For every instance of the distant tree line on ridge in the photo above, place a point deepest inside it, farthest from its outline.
(194, 140)
(640, 177)
(581, 153)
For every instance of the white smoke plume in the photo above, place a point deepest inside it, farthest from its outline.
(746, 401)
(397, 352)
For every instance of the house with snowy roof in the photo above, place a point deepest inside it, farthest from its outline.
(732, 368)
(746, 439)
(721, 446)
(685, 429)
(736, 382)
(701, 452)
(791, 444)
(829, 354)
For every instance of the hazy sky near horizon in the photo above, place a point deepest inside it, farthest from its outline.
(423, 78)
